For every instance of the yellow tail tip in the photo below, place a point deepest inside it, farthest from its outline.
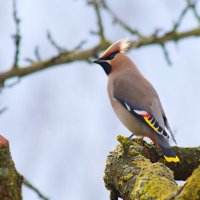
(172, 159)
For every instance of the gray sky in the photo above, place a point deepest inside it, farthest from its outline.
(60, 123)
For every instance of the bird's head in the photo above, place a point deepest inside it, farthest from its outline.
(111, 54)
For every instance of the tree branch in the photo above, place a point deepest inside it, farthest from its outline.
(96, 4)
(116, 19)
(191, 189)
(137, 170)
(193, 6)
(10, 180)
(54, 44)
(36, 190)
(2, 110)
(64, 56)
(84, 55)
(16, 36)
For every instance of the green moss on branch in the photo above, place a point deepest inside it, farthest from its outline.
(137, 170)
(191, 189)
(10, 180)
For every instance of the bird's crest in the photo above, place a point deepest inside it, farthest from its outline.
(121, 46)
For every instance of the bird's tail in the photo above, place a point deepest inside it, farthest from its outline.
(169, 154)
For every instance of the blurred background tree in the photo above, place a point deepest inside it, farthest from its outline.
(59, 121)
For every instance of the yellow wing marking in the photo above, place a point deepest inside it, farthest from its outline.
(150, 124)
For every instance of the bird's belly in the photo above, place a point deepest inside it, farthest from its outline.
(129, 120)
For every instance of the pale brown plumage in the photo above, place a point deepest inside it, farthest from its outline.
(134, 99)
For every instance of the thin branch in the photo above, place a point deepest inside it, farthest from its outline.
(10, 85)
(84, 55)
(54, 43)
(32, 187)
(180, 19)
(76, 54)
(190, 5)
(37, 53)
(16, 36)
(80, 45)
(193, 6)
(29, 60)
(2, 110)
(120, 22)
(163, 46)
(96, 4)
(166, 54)
(196, 14)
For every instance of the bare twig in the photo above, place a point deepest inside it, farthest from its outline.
(193, 6)
(16, 36)
(96, 4)
(190, 5)
(54, 44)
(32, 187)
(65, 56)
(120, 22)
(180, 19)
(166, 53)
(72, 56)
(80, 45)
(10, 85)
(2, 110)
(29, 60)
(37, 53)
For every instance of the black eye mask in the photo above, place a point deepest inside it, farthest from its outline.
(111, 56)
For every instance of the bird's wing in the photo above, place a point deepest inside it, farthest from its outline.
(139, 94)
(146, 117)
(168, 128)
(149, 120)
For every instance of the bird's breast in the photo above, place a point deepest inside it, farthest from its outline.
(130, 121)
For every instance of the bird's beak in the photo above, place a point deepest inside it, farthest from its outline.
(98, 61)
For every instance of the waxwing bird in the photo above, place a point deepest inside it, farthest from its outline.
(134, 100)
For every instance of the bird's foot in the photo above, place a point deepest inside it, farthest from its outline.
(131, 137)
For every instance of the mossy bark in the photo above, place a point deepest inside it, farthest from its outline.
(10, 180)
(137, 170)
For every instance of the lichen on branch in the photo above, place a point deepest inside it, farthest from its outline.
(137, 170)
(10, 179)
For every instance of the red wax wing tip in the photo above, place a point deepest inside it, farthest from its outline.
(3, 141)
(146, 115)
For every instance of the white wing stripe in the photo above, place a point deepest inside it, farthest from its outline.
(127, 106)
(141, 112)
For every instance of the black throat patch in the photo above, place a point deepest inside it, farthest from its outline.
(106, 67)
